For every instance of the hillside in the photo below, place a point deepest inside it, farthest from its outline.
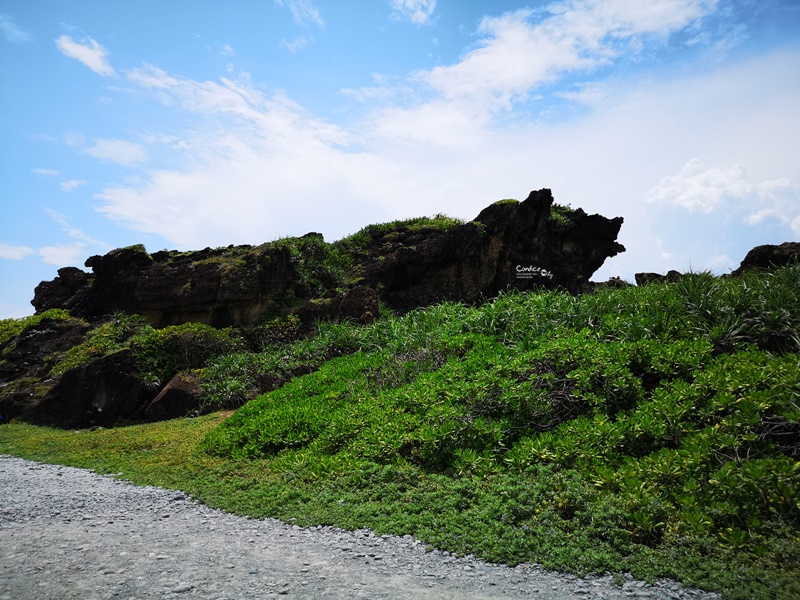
(120, 343)
(651, 429)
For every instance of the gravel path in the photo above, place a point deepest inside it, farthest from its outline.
(70, 533)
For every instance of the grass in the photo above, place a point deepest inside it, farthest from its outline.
(654, 430)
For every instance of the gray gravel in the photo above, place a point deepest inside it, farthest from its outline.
(70, 533)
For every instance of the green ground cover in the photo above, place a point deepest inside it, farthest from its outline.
(653, 429)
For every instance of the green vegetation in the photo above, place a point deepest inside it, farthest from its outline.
(159, 353)
(651, 429)
(360, 241)
(559, 214)
(11, 328)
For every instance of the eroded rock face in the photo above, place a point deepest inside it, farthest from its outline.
(100, 393)
(403, 266)
(770, 256)
(509, 245)
(26, 361)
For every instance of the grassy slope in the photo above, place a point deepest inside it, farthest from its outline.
(653, 430)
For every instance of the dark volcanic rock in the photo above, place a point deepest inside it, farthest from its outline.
(404, 265)
(359, 305)
(509, 245)
(178, 398)
(99, 393)
(770, 256)
(643, 278)
(60, 291)
(27, 360)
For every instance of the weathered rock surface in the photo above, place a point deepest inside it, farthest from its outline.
(404, 265)
(770, 256)
(179, 397)
(97, 394)
(509, 245)
(26, 361)
(644, 278)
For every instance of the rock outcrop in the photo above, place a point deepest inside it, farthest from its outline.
(770, 256)
(526, 245)
(510, 244)
(100, 393)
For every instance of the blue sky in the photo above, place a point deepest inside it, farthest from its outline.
(195, 123)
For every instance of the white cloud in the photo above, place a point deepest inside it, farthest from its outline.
(417, 11)
(46, 172)
(122, 152)
(227, 50)
(72, 184)
(11, 252)
(304, 12)
(697, 187)
(525, 49)
(296, 44)
(74, 139)
(73, 252)
(63, 255)
(12, 32)
(90, 53)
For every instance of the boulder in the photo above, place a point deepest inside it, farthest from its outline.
(770, 256)
(178, 398)
(644, 278)
(100, 393)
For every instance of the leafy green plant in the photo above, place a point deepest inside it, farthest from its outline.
(105, 339)
(10, 328)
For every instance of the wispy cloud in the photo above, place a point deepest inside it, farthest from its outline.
(13, 33)
(63, 255)
(122, 152)
(46, 172)
(72, 184)
(525, 49)
(417, 11)
(227, 50)
(520, 52)
(304, 12)
(90, 53)
(296, 44)
(12, 252)
(699, 188)
(74, 252)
